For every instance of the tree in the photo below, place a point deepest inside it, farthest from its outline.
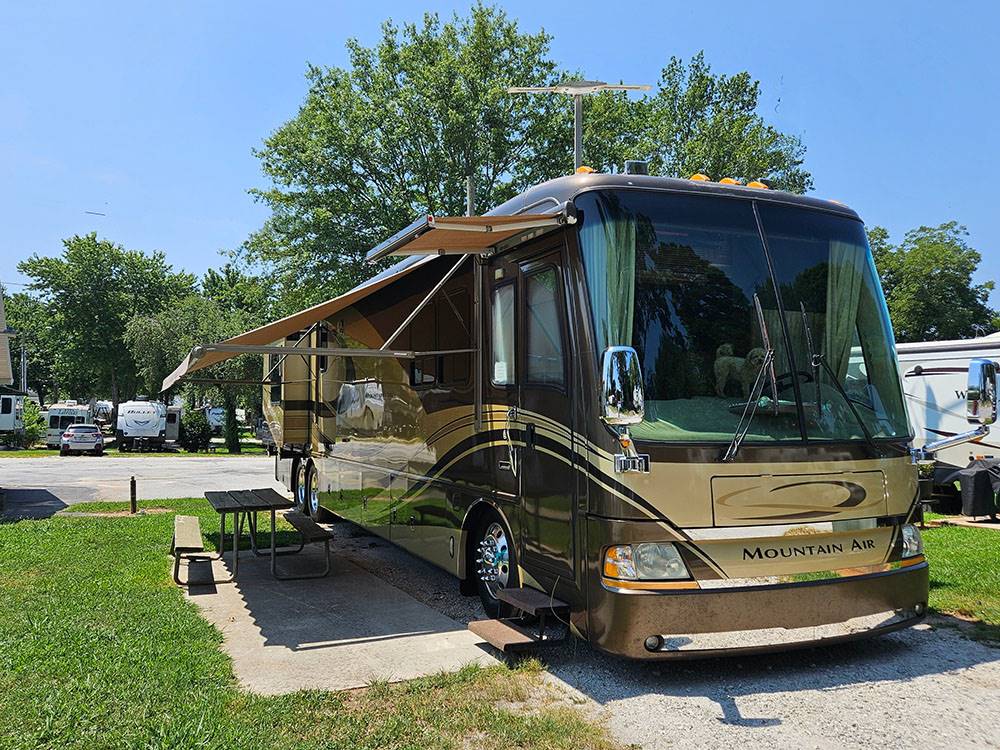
(159, 342)
(28, 317)
(928, 284)
(89, 294)
(396, 133)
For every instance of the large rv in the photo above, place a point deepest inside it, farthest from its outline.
(61, 415)
(629, 394)
(934, 386)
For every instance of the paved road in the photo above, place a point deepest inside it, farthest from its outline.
(39, 487)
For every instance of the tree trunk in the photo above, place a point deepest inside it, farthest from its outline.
(231, 429)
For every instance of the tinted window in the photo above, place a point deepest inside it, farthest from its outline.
(274, 367)
(543, 328)
(5, 405)
(65, 422)
(54, 422)
(503, 371)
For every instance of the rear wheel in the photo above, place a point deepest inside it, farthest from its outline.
(301, 486)
(495, 561)
(312, 490)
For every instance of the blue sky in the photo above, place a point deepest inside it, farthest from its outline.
(149, 114)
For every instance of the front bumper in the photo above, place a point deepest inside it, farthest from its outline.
(713, 621)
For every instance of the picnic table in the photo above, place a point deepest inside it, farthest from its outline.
(244, 505)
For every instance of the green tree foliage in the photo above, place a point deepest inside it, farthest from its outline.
(395, 134)
(230, 303)
(89, 294)
(195, 434)
(28, 316)
(928, 284)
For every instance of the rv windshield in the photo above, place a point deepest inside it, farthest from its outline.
(675, 276)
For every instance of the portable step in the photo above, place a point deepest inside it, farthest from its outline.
(503, 634)
(531, 601)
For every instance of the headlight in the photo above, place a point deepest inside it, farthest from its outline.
(913, 545)
(649, 561)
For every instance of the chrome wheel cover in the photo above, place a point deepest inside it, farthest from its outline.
(494, 559)
(300, 488)
(313, 492)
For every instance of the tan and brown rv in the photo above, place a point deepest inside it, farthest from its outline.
(671, 407)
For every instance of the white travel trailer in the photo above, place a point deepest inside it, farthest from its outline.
(11, 410)
(141, 423)
(935, 377)
(61, 415)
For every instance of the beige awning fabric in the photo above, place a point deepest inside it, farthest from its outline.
(279, 329)
(469, 235)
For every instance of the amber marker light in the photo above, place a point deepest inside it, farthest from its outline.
(728, 181)
(584, 169)
(699, 177)
(758, 184)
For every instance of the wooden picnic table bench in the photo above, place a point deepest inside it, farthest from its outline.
(187, 544)
(244, 505)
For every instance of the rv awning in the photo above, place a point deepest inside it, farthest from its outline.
(204, 356)
(470, 235)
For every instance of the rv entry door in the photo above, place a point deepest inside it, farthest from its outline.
(528, 399)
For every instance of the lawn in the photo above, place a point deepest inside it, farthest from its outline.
(98, 649)
(247, 449)
(965, 574)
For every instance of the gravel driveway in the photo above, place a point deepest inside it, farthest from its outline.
(926, 687)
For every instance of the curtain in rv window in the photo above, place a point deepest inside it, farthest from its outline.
(503, 336)
(608, 247)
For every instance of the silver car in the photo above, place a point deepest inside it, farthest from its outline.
(81, 438)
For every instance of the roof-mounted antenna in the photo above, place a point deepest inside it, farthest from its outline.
(576, 89)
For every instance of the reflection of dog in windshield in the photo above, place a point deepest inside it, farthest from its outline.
(743, 370)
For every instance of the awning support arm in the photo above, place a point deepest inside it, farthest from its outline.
(423, 303)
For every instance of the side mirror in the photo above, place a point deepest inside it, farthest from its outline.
(622, 400)
(981, 394)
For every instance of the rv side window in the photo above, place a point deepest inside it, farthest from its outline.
(544, 328)
(423, 338)
(503, 372)
(324, 341)
(274, 366)
(454, 322)
(53, 422)
(5, 406)
(65, 422)
(171, 418)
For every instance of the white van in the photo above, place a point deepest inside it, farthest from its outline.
(140, 422)
(61, 415)
(935, 376)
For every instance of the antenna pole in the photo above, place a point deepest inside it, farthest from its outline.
(577, 131)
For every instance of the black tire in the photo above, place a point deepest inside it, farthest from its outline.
(63, 452)
(312, 490)
(496, 558)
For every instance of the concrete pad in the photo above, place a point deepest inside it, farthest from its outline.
(334, 633)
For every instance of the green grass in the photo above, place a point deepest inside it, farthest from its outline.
(98, 649)
(247, 449)
(965, 575)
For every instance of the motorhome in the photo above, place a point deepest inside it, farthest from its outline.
(141, 424)
(934, 386)
(624, 394)
(61, 415)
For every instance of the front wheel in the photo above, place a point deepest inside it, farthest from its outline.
(496, 562)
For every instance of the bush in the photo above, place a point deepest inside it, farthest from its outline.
(33, 432)
(196, 434)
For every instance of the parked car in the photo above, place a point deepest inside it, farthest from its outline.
(82, 438)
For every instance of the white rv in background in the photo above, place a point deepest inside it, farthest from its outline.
(141, 422)
(935, 375)
(61, 415)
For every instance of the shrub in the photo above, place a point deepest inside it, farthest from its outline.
(196, 434)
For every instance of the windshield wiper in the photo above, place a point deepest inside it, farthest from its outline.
(753, 401)
(749, 409)
(818, 360)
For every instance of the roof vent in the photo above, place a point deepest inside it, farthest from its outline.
(636, 166)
